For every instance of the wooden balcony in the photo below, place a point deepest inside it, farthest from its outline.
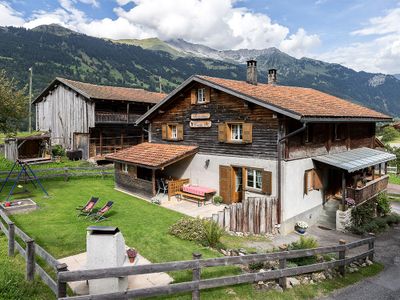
(370, 190)
(115, 118)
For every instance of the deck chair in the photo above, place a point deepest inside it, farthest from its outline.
(87, 209)
(162, 186)
(99, 215)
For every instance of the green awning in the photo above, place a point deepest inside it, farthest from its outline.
(356, 159)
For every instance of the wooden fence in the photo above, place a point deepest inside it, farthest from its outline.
(28, 251)
(197, 265)
(66, 173)
(256, 215)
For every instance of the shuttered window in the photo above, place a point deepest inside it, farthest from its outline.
(235, 132)
(312, 181)
(200, 96)
(172, 132)
(259, 180)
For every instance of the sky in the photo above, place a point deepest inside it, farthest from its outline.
(360, 34)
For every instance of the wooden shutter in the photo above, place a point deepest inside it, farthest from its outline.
(267, 182)
(179, 129)
(306, 182)
(164, 129)
(207, 95)
(222, 132)
(225, 183)
(247, 133)
(317, 180)
(193, 96)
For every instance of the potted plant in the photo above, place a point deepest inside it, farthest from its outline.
(218, 200)
(132, 253)
(301, 227)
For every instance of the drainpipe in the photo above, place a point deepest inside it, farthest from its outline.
(279, 149)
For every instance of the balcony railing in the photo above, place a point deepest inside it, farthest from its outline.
(370, 190)
(111, 117)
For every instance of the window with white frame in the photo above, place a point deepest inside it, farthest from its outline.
(201, 95)
(174, 132)
(236, 132)
(254, 179)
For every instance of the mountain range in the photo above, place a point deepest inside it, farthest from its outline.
(56, 51)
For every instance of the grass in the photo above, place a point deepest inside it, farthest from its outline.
(394, 179)
(144, 226)
(19, 134)
(12, 279)
(6, 165)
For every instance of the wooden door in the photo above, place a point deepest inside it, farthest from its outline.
(81, 142)
(225, 183)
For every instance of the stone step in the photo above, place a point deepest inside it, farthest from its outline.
(327, 225)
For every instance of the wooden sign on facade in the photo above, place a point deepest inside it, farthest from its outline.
(200, 124)
(202, 116)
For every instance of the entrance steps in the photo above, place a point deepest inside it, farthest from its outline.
(327, 218)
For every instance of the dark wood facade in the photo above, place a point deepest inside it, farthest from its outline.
(222, 108)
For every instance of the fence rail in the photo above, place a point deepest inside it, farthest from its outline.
(197, 264)
(29, 252)
(65, 172)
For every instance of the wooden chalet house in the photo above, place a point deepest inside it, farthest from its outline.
(94, 118)
(246, 139)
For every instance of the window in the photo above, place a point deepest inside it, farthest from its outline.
(174, 131)
(201, 96)
(144, 173)
(236, 132)
(312, 181)
(124, 168)
(254, 179)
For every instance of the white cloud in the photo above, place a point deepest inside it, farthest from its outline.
(217, 24)
(10, 17)
(299, 44)
(380, 53)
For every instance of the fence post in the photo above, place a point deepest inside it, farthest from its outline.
(342, 255)
(66, 174)
(196, 277)
(30, 259)
(11, 239)
(61, 286)
(282, 280)
(371, 246)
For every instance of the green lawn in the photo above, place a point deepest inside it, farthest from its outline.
(6, 165)
(144, 226)
(19, 134)
(394, 179)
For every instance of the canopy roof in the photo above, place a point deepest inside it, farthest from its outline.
(152, 155)
(356, 159)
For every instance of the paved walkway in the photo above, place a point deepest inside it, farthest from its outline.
(384, 286)
(393, 188)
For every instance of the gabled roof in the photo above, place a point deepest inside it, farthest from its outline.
(153, 155)
(303, 104)
(104, 92)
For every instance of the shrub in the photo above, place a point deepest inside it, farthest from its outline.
(392, 219)
(383, 205)
(389, 133)
(218, 199)
(58, 150)
(256, 266)
(189, 229)
(376, 225)
(213, 233)
(363, 214)
(304, 243)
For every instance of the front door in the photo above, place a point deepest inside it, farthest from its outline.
(231, 184)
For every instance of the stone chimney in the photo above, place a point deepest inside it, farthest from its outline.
(252, 71)
(272, 76)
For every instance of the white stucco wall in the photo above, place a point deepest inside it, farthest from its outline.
(195, 169)
(294, 201)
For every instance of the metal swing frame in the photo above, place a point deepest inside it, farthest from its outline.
(25, 169)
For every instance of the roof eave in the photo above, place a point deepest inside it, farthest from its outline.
(344, 119)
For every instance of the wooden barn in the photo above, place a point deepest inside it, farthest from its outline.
(93, 118)
(34, 148)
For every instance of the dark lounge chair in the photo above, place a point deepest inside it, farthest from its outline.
(99, 215)
(87, 209)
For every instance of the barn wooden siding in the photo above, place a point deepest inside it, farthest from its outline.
(64, 112)
(222, 108)
(255, 215)
(11, 149)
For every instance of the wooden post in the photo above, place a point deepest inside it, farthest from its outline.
(196, 277)
(342, 255)
(282, 280)
(371, 246)
(154, 181)
(373, 172)
(101, 141)
(61, 286)
(30, 260)
(380, 170)
(386, 165)
(11, 239)
(343, 190)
